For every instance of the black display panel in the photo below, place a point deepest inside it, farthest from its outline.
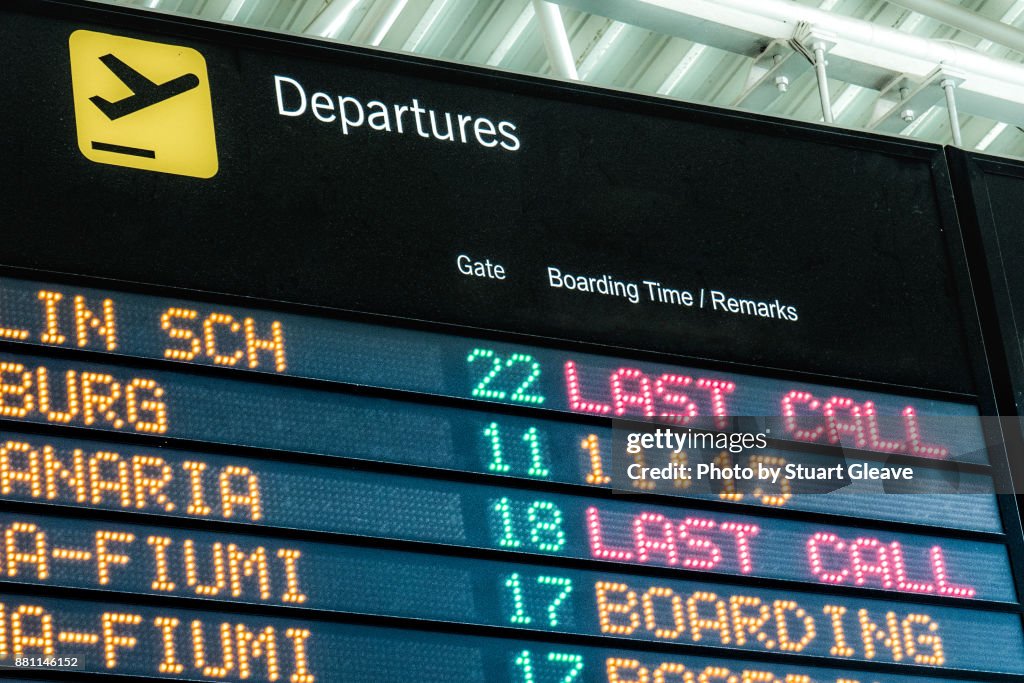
(836, 255)
(300, 389)
(41, 314)
(144, 640)
(990, 204)
(132, 559)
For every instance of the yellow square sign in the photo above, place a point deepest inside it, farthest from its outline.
(142, 104)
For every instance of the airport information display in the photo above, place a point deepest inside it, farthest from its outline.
(991, 201)
(320, 430)
(149, 386)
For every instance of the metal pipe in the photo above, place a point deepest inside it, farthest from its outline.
(916, 55)
(954, 116)
(331, 18)
(966, 20)
(555, 39)
(232, 11)
(822, 74)
(387, 20)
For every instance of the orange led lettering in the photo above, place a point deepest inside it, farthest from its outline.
(596, 475)
(113, 640)
(159, 544)
(41, 640)
(192, 573)
(680, 460)
(52, 334)
(43, 393)
(241, 564)
(615, 667)
(650, 616)
(121, 485)
(197, 505)
(99, 392)
(606, 608)
(890, 638)
(759, 677)
(931, 640)
(299, 637)
(153, 407)
(782, 626)
(698, 624)
(17, 554)
(677, 671)
(746, 624)
(250, 647)
(151, 474)
(72, 554)
(30, 475)
(841, 648)
(230, 498)
(78, 637)
(291, 573)
(4, 652)
(15, 398)
(716, 674)
(274, 345)
(57, 473)
(227, 651)
(642, 484)
(169, 664)
(105, 558)
(187, 336)
(728, 492)
(13, 333)
(104, 327)
(785, 492)
(222, 320)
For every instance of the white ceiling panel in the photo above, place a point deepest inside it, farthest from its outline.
(695, 50)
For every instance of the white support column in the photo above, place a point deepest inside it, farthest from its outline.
(555, 39)
(966, 20)
(821, 72)
(865, 54)
(949, 86)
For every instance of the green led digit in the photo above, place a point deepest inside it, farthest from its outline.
(481, 390)
(496, 450)
(520, 395)
(525, 663)
(519, 615)
(508, 533)
(493, 435)
(487, 388)
(575, 663)
(545, 521)
(565, 587)
(537, 467)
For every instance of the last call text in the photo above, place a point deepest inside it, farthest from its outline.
(256, 341)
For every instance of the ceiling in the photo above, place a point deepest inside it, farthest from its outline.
(709, 51)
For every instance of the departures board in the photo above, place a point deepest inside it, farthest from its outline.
(989, 203)
(315, 364)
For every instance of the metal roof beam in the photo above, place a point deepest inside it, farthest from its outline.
(865, 54)
(556, 42)
(967, 20)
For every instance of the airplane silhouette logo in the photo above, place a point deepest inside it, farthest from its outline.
(145, 93)
(142, 104)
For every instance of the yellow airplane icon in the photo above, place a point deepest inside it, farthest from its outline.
(142, 104)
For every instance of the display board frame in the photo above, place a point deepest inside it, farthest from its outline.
(985, 369)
